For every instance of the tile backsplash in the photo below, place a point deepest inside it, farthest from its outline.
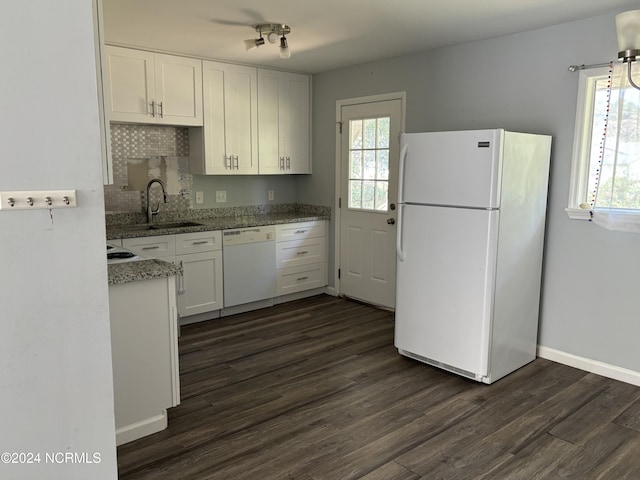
(142, 152)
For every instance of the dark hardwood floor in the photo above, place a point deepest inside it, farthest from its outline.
(315, 390)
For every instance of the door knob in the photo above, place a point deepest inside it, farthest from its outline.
(391, 221)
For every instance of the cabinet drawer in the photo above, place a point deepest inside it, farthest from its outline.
(198, 242)
(297, 279)
(294, 231)
(300, 252)
(157, 246)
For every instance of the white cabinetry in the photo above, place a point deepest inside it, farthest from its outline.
(144, 344)
(228, 142)
(160, 246)
(300, 256)
(144, 87)
(199, 287)
(283, 122)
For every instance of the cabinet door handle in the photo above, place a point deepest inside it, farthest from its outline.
(299, 279)
(181, 288)
(154, 247)
(153, 108)
(228, 162)
(161, 110)
(288, 163)
(303, 252)
(201, 242)
(281, 163)
(237, 166)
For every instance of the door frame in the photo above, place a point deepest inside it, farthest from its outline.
(338, 165)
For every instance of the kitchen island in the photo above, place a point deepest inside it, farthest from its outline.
(144, 345)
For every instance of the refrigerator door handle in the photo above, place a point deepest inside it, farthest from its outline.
(399, 251)
(403, 157)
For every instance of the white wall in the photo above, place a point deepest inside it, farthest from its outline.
(56, 392)
(519, 82)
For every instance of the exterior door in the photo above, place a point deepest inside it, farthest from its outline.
(368, 194)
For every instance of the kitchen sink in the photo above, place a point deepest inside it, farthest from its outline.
(157, 226)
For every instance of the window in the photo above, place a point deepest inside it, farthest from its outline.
(589, 129)
(595, 162)
(369, 164)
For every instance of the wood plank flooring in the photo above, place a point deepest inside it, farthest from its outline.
(315, 390)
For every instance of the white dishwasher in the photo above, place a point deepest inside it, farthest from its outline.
(249, 264)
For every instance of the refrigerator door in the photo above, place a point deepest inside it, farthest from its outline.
(452, 168)
(445, 286)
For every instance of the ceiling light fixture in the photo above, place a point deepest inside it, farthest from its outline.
(284, 48)
(628, 30)
(272, 31)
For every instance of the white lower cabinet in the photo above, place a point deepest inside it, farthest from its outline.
(301, 252)
(199, 287)
(300, 256)
(298, 279)
(144, 344)
(159, 246)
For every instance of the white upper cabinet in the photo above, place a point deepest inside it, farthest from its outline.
(283, 122)
(144, 87)
(228, 143)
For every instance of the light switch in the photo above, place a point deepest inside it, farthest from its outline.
(271, 195)
(33, 199)
(199, 198)
(221, 196)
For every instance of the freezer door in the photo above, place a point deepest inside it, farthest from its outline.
(445, 285)
(452, 168)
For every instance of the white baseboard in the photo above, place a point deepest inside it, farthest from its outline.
(588, 365)
(330, 291)
(141, 429)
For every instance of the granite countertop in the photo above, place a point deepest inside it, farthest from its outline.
(141, 270)
(216, 223)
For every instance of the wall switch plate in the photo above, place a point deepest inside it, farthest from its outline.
(199, 198)
(32, 199)
(221, 196)
(271, 195)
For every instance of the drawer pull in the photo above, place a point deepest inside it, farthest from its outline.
(155, 247)
(201, 242)
(302, 278)
(299, 232)
(304, 252)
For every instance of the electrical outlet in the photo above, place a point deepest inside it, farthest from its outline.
(271, 195)
(221, 196)
(199, 198)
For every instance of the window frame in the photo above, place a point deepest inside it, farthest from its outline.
(578, 206)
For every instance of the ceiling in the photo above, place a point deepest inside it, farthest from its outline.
(329, 34)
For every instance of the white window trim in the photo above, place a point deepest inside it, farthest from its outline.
(578, 207)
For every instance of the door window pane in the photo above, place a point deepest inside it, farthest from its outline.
(370, 133)
(368, 195)
(381, 195)
(369, 165)
(383, 164)
(355, 131)
(355, 194)
(356, 164)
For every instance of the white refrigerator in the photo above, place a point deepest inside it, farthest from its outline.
(471, 222)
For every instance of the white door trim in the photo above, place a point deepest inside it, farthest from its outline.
(338, 217)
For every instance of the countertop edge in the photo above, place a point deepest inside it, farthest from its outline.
(141, 270)
(215, 223)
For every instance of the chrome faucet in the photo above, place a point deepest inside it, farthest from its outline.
(150, 210)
